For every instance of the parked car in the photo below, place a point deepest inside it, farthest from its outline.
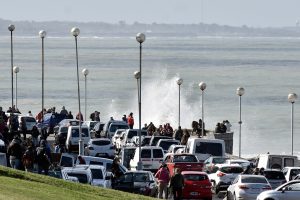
(116, 136)
(209, 163)
(247, 187)
(271, 161)
(125, 155)
(196, 185)
(100, 147)
(174, 147)
(275, 177)
(166, 143)
(224, 175)
(90, 124)
(151, 158)
(111, 126)
(72, 141)
(96, 131)
(156, 138)
(126, 136)
(290, 173)
(29, 121)
(99, 176)
(80, 175)
(244, 163)
(287, 191)
(139, 182)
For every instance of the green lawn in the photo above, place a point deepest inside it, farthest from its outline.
(19, 185)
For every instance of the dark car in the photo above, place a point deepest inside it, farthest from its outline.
(139, 182)
(275, 177)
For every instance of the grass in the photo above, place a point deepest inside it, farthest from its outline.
(15, 185)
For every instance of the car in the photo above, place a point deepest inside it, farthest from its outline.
(90, 124)
(273, 161)
(196, 185)
(166, 143)
(96, 131)
(126, 136)
(116, 136)
(290, 172)
(287, 191)
(275, 177)
(60, 134)
(155, 138)
(174, 147)
(247, 187)
(125, 155)
(100, 147)
(99, 175)
(72, 141)
(29, 121)
(79, 175)
(139, 182)
(111, 126)
(244, 163)
(209, 163)
(224, 175)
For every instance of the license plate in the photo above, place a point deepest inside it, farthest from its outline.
(194, 193)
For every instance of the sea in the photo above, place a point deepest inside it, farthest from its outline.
(267, 68)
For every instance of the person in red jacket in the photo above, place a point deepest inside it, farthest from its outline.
(130, 120)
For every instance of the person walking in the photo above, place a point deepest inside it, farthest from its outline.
(163, 177)
(177, 184)
(42, 158)
(130, 120)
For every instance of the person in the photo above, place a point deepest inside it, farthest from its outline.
(145, 127)
(223, 128)
(168, 130)
(163, 178)
(81, 160)
(130, 120)
(262, 171)
(227, 124)
(79, 115)
(247, 170)
(115, 170)
(124, 118)
(34, 135)
(29, 114)
(151, 129)
(29, 157)
(185, 137)
(70, 116)
(23, 127)
(178, 134)
(218, 128)
(256, 171)
(95, 116)
(2, 113)
(177, 184)
(14, 151)
(64, 111)
(42, 159)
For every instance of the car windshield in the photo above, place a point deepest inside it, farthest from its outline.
(278, 175)
(30, 119)
(214, 149)
(82, 178)
(195, 177)
(253, 179)
(231, 170)
(185, 158)
(101, 142)
(97, 173)
(84, 131)
(219, 160)
(166, 144)
(141, 177)
(131, 134)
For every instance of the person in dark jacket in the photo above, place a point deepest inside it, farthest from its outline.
(14, 151)
(177, 184)
(42, 158)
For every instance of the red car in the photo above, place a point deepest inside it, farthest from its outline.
(196, 185)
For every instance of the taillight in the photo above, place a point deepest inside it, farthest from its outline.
(243, 187)
(220, 174)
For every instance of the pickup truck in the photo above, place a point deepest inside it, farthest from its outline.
(183, 161)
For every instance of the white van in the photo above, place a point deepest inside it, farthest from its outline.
(272, 161)
(204, 148)
(72, 141)
(151, 158)
(110, 128)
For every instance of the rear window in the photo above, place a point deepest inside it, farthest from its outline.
(231, 170)
(289, 162)
(84, 131)
(131, 134)
(214, 149)
(254, 180)
(166, 144)
(140, 177)
(97, 174)
(101, 142)
(219, 160)
(82, 178)
(158, 153)
(146, 153)
(185, 158)
(277, 175)
(195, 177)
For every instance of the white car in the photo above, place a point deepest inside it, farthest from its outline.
(116, 136)
(99, 175)
(287, 191)
(174, 147)
(224, 175)
(290, 172)
(247, 187)
(244, 163)
(166, 143)
(100, 147)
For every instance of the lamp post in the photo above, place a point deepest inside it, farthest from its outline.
(292, 98)
(140, 38)
(11, 28)
(75, 32)
(16, 71)
(42, 35)
(85, 72)
(202, 87)
(179, 82)
(240, 91)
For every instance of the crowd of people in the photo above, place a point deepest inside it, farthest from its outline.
(223, 127)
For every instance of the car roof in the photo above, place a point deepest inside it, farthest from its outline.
(193, 172)
(228, 165)
(139, 171)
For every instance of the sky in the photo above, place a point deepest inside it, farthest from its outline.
(253, 13)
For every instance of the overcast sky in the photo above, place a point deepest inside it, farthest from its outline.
(255, 13)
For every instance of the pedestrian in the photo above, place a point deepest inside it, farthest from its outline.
(70, 116)
(35, 134)
(185, 137)
(227, 124)
(262, 171)
(14, 151)
(130, 120)
(29, 114)
(64, 112)
(124, 118)
(29, 157)
(177, 184)
(115, 170)
(163, 178)
(79, 117)
(42, 158)
(178, 134)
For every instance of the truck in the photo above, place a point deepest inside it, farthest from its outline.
(273, 161)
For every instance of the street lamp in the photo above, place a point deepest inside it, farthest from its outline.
(75, 32)
(292, 98)
(179, 81)
(85, 72)
(240, 91)
(140, 38)
(11, 28)
(42, 35)
(137, 76)
(16, 71)
(202, 87)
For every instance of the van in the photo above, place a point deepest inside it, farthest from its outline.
(273, 161)
(151, 158)
(111, 126)
(204, 148)
(72, 141)
(126, 137)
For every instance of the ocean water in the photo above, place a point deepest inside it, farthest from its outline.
(268, 69)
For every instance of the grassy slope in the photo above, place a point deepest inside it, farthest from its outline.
(15, 185)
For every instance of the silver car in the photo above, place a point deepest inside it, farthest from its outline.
(247, 187)
(287, 191)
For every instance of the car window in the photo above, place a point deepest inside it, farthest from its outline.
(84, 132)
(126, 177)
(66, 161)
(288, 162)
(295, 172)
(158, 153)
(293, 187)
(254, 180)
(97, 173)
(219, 160)
(185, 158)
(146, 153)
(30, 119)
(230, 169)
(82, 178)
(140, 177)
(93, 162)
(166, 144)
(101, 142)
(108, 167)
(214, 149)
(195, 177)
(64, 129)
(131, 134)
(278, 175)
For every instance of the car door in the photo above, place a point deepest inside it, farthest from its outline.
(125, 183)
(157, 157)
(291, 192)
